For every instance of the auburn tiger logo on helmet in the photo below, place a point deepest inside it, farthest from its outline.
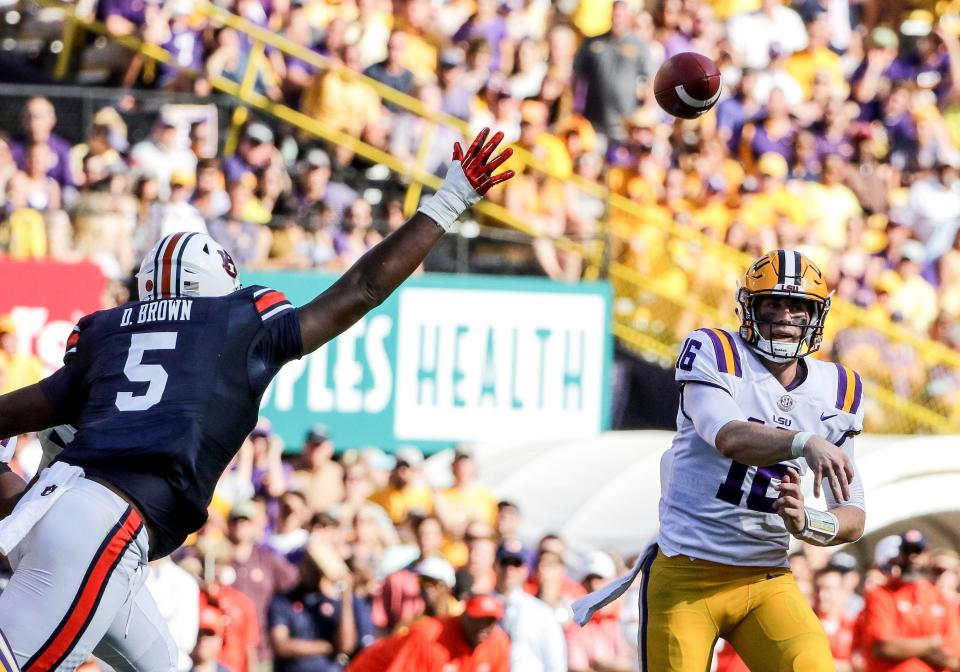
(187, 264)
(789, 274)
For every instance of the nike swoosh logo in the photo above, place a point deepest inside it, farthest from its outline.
(824, 416)
(773, 576)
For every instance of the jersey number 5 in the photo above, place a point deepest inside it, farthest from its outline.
(138, 372)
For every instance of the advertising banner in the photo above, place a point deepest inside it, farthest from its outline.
(452, 358)
(45, 299)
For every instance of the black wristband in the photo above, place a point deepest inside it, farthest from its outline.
(4, 468)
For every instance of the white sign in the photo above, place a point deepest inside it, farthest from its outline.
(488, 364)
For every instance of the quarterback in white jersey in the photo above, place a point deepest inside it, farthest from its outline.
(716, 508)
(755, 414)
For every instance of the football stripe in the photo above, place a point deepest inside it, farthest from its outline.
(167, 265)
(279, 309)
(857, 394)
(725, 348)
(732, 344)
(717, 349)
(179, 263)
(644, 608)
(269, 300)
(695, 102)
(75, 622)
(8, 661)
(851, 390)
(156, 271)
(788, 270)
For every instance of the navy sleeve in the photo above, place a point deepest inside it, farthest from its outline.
(281, 342)
(280, 338)
(278, 613)
(63, 388)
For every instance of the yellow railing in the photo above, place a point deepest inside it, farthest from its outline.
(649, 337)
(889, 411)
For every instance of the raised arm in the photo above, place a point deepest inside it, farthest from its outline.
(377, 273)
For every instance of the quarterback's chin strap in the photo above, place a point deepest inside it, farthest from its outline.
(820, 528)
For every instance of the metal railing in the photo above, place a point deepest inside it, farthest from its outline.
(916, 414)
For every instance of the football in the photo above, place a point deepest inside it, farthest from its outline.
(687, 85)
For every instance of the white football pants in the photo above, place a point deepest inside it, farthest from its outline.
(77, 588)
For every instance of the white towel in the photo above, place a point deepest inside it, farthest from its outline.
(50, 486)
(588, 605)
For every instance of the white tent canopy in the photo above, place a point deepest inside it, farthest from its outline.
(603, 493)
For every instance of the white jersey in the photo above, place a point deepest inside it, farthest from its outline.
(716, 509)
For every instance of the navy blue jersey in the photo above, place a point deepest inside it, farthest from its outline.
(163, 393)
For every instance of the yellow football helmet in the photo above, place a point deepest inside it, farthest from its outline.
(784, 273)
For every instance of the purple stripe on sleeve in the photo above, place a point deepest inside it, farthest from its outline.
(841, 385)
(718, 350)
(857, 393)
(738, 369)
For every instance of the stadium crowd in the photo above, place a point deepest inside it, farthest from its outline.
(323, 560)
(837, 134)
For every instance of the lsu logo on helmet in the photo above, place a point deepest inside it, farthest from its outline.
(789, 274)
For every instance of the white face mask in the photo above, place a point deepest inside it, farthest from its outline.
(780, 352)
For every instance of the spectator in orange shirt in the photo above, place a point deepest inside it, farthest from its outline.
(206, 653)
(470, 642)
(240, 634)
(829, 599)
(908, 623)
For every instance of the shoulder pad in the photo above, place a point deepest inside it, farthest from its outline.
(723, 347)
(709, 356)
(73, 340)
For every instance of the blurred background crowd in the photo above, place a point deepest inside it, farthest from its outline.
(837, 134)
(319, 559)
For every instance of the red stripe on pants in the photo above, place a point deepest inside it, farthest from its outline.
(88, 596)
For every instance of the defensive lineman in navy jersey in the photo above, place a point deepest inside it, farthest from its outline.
(162, 393)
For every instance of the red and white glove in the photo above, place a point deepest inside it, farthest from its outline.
(469, 177)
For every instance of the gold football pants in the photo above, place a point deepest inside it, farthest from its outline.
(687, 604)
